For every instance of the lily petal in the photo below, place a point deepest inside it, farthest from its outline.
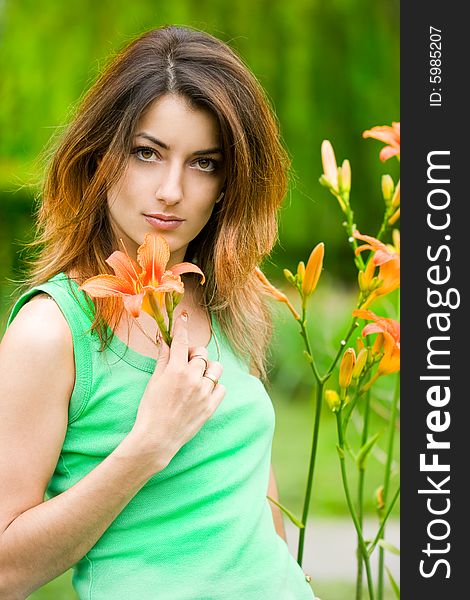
(385, 134)
(133, 304)
(170, 283)
(103, 286)
(382, 252)
(388, 152)
(124, 267)
(380, 325)
(186, 267)
(153, 257)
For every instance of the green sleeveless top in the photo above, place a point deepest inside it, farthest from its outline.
(202, 528)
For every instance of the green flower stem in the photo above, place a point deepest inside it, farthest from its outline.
(348, 412)
(360, 497)
(361, 543)
(340, 352)
(311, 468)
(388, 471)
(304, 334)
(387, 475)
(350, 227)
(169, 311)
(157, 315)
(380, 532)
(343, 200)
(384, 226)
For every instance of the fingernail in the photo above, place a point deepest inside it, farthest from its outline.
(184, 316)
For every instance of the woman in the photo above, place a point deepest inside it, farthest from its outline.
(156, 473)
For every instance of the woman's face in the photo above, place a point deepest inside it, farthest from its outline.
(173, 177)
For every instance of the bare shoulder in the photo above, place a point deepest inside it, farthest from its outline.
(40, 322)
(39, 341)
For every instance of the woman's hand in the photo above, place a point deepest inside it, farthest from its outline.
(180, 397)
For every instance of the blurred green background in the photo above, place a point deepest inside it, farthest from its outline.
(331, 70)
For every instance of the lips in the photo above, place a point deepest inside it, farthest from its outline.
(163, 222)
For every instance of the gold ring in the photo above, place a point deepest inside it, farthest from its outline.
(201, 357)
(214, 381)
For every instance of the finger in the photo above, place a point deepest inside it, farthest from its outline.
(198, 358)
(179, 344)
(162, 357)
(215, 369)
(212, 374)
(216, 397)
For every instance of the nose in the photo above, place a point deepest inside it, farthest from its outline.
(169, 187)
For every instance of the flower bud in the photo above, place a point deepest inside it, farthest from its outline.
(330, 169)
(325, 182)
(333, 400)
(366, 279)
(346, 368)
(396, 240)
(387, 188)
(345, 177)
(396, 196)
(394, 218)
(359, 344)
(289, 276)
(361, 361)
(313, 270)
(300, 271)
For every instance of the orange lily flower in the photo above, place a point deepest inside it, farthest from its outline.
(390, 329)
(272, 291)
(380, 324)
(142, 285)
(383, 253)
(388, 135)
(387, 259)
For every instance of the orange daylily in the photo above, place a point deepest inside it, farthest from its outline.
(384, 257)
(388, 135)
(390, 330)
(142, 285)
(382, 252)
(272, 291)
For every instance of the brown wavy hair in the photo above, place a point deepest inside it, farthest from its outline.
(74, 230)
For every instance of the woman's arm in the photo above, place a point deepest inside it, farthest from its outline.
(277, 514)
(40, 540)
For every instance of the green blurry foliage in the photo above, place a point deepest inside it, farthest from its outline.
(331, 70)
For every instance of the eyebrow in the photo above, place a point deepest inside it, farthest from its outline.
(147, 136)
